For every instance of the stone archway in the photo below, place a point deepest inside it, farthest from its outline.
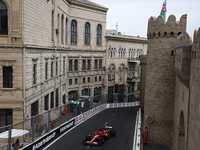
(181, 134)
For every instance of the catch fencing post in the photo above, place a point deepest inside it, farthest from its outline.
(9, 137)
(60, 114)
(48, 120)
(33, 127)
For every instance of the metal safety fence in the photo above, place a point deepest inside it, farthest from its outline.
(31, 129)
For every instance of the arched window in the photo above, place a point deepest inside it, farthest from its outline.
(119, 73)
(122, 72)
(109, 53)
(119, 52)
(138, 71)
(73, 32)
(87, 33)
(124, 53)
(114, 52)
(52, 25)
(66, 32)
(132, 72)
(129, 53)
(99, 35)
(111, 72)
(3, 19)
(58, 24)
(62, 29)
(129, 71)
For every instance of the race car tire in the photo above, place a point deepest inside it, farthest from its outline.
(88, 138)
(112, 133)
(102, 140)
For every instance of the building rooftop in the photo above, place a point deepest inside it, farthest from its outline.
(91, 3)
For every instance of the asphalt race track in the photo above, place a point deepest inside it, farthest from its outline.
(123, 121)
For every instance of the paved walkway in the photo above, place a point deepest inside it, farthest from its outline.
(157, 146)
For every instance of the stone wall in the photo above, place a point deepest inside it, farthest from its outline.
(194, 106)
(160, 76)
(143, 63)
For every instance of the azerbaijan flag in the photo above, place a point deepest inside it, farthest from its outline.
(163, 10)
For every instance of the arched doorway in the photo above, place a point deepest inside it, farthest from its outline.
(181, 134)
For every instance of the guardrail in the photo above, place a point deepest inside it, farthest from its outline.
(139, 127)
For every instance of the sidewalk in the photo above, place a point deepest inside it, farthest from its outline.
(157, 146)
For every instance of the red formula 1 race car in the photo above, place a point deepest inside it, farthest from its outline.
(100, 136)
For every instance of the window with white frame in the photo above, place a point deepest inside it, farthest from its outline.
(109, 53)
(114, 52)
(34, 72)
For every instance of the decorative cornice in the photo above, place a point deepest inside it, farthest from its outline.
(89, 6)
(126, 39)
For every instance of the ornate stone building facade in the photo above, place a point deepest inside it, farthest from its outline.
(52, 51)
(170, 83)
(123, 65)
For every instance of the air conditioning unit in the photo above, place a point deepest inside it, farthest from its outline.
(104, 67)
(57, 30)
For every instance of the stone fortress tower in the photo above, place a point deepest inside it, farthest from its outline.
(159, 87)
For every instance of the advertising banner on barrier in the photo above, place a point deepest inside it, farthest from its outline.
(42, 142)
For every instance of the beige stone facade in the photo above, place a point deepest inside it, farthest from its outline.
(123, 64)
(170, 83)
(38, 51)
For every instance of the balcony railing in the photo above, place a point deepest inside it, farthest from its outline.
(111, 77)
(133, 79)
(135, 59)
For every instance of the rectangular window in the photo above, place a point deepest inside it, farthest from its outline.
(34, 73)
(138, 86)
(34, 108)
(3, 21)
(95, 63)
(88, 80)
(84, 64)
(95, 79)
(76, 65)
(5, 118)
(52, 100)
(88, 64)
(46, 70)
(56, 68)
(99, 78)
(52, 69)
(63, 65)
(70, 65)
(100, 63)
(83, 80)
(76, 81)
(46, 102)
(70, 81)
(57, 97)
(64, 101)
(7, 77)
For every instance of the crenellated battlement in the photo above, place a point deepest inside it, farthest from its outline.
(196, 39)
(183, 40)
(158, 28)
